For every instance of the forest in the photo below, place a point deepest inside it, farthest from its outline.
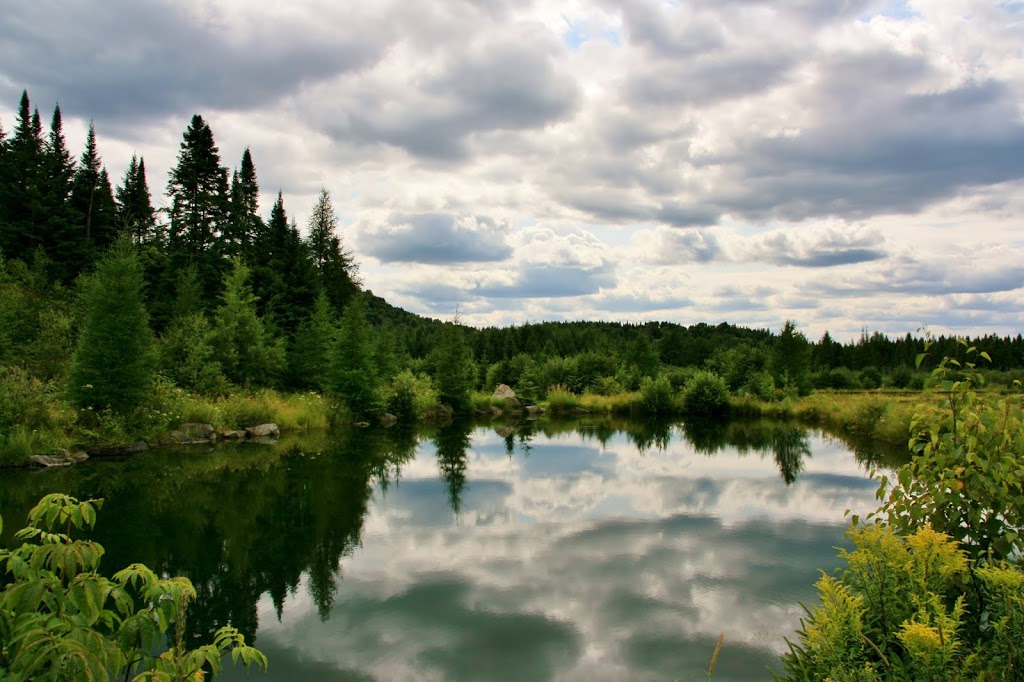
(112, 309)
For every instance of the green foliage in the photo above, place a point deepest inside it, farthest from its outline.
(60, 619)
(187, 356)
(789, 360)
(453, 366)
(352, 376)
(966, 477)
(246, 351)
(706, 394)
(311, 346)
(657, 396)
(898, 612)
(114, 361)
(561, 400)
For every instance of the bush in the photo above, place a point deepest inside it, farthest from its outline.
(706, 394)
(898, 612)
(870, 378)
(561, 400)
(900, 377)
(837, 378)
(60, 619)
(657, 396)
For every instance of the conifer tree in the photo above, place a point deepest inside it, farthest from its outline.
(198, 191)
(62, 239)
(248, 354)
(92, 200)
(187, 353)
(335, 267)
(135, 211)
(309, 356)
(244, 223)
(21, 192)
(285, 279)
(113, 363)
(453, 367)
(352, 375)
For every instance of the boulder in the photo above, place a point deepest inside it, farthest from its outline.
(65, 459)
(503, 392)
(534, 410)
(387, 419)
(263, 431)
(232, 435)
(193, 433)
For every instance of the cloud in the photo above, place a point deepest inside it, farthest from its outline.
(122, 59)
(434, 238)
(822, 249)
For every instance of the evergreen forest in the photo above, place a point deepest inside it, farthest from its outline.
(113, 312)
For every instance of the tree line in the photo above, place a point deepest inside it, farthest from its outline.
(101, 294)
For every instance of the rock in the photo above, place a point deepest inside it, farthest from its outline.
(534, 410)
(232, 435)
(361, 425)
(263, 431)
(496, 412)
(191, 433)
(119, 450)
(63, 460)
(387, 419)
(505, 430)
(503, 392)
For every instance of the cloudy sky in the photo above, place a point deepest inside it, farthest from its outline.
(846, 164)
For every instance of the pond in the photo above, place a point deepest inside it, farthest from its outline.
(595, 549)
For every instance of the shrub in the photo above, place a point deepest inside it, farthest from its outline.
(561, 400)
(656, 395)
(60, 619)
(706, 394)
(898, 612)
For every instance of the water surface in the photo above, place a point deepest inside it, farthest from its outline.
(594, 550)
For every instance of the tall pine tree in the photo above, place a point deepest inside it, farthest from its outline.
(21, 189)
(244, 223)
(62, 237)
(336, 270)
(198, 191)
(92, 199)
(113, 364)
(135, 205)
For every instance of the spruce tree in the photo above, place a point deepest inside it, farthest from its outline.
(244, 223)
(135, 211)
(453, 367)
(187, 353)
(21, 192)
(310, 351)
(92, 200)
(113, 363)
(285, 279)
(335, 267)
(61, 237)
(198, 191)
(248, 354)
(352, 375)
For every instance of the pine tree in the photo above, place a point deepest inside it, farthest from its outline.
(92, 201)
(135, 211)
(187, 353)
(248, 354)
(21, 189)
(353, 376)
(244, 223)
(790, 359)
(335, 267)
(285, 279)
(113, 363)
(198, 190)
(62, 239)
(310, 351)
(453, 367)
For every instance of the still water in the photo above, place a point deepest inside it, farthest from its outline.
(591, 550)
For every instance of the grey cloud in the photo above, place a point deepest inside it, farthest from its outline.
(880, 147)
(122, 59)
(552, 281)
(435, 238)
(708, 80)
(642, 304)
(908, 275)
(506, 85)
(826, 250)
(687, 246)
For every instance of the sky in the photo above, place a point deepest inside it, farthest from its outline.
(849, 165)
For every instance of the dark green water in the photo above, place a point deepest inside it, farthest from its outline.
(594, 550)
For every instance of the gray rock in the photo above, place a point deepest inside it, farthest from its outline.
(192, 433)
(50, 461)
(388, 419)
(232, 435)
(503, 392)
(263, 431)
